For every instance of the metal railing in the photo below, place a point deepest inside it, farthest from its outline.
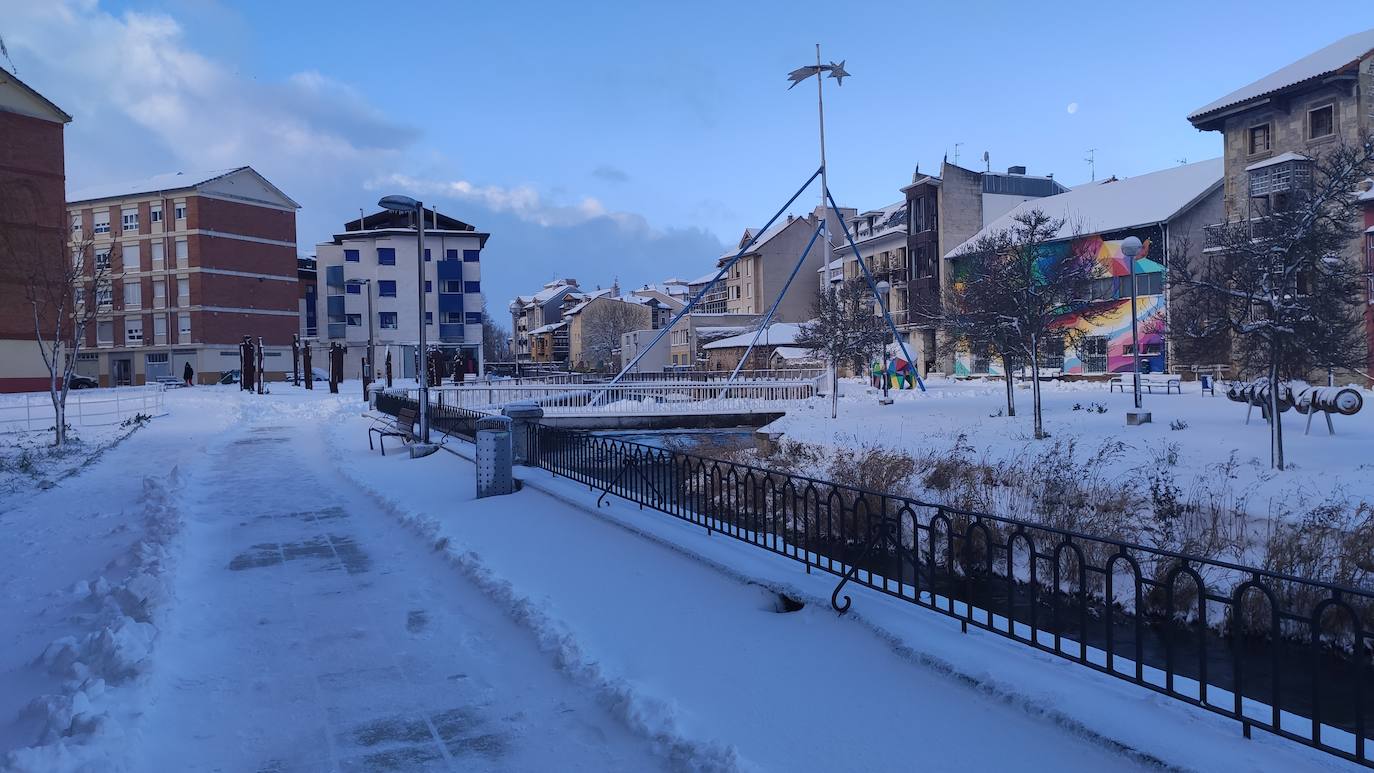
(33, 411)
(447, 419)
(672, 397)
(1286, 654)
(768, 374)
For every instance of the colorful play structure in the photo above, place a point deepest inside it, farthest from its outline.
(897, 374)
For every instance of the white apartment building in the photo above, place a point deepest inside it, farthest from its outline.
(376, 256)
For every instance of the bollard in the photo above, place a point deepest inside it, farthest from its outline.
(524, 414)
(494, 475)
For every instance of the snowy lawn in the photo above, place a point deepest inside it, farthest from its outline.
(1214, 446)
(681, 632)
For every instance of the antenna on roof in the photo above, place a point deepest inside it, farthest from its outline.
(1182, 161)
(956, 153)
(361, 218)
(987, 162)
(1092, 162)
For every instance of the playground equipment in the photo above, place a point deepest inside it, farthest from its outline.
(1307, 399)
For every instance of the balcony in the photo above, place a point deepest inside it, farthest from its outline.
(1281, 174)
(1218, 235)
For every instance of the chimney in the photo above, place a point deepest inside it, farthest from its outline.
(789, 218)
(1016, 170)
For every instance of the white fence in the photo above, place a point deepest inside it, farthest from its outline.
(626, 399)
(33, 411)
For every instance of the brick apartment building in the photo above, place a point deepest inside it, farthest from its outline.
(196, 262)
(32, 182)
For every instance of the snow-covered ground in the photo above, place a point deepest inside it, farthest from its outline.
(969, 413)
(243, 585)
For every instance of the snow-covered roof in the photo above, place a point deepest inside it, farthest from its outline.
(1151, 198)
(701, 280)
(793, 353)
(1366, 194)
(1337, 56)
(888, 220)
(168, 181)
(763, 239)
(1281, 158)
(549, 293)
(776, 334)
(549, 328)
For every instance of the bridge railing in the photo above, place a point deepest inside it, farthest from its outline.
(33, 411)
(673, 397)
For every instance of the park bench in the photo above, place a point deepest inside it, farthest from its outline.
(403, 427)
(1150, 382)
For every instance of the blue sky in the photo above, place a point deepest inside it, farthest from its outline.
(602, 140)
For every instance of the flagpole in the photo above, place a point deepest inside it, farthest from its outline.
(825, 188)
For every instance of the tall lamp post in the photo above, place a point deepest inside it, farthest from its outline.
(403, 204)
(1130, 247)
(370, 373)
(883, 287)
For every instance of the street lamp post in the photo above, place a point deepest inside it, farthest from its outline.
(370, 373)
(401, 204)
(883, 287)
(1130, 247)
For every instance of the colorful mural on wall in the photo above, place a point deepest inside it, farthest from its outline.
(1106, 346)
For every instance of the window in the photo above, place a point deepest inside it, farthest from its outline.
(354, 320)
(353, 289)
(429, 318)
(102, 260)
(450, 254)
(351, 256)
(386, 256)
(183, 328)
(472, 287)
(102, 223)
(159, 330)
(386, 320)
(133, 331)
(429, 286)
(133, 261)
(183, 292)
(159, 294)
(76, 225)
(1321, 122)
(1259, 139)
(386, 288)
(451, 286)
(77, 259)
(159, 256)
(473, 317)
(104, 294)
(453, 318)
(426, 254)
(182, 253)
(129, 220)
(155, 213)
(179, 212)
(133, 295)
(80, 296)
(104, 333)
(471, 256)
(1093, 353)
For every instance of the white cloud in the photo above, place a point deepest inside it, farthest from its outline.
(523, 201)
(1072, 108)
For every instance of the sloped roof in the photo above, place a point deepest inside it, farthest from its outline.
(1366, 195)
(763, 239)
(549, 293)
(1151, 198)
(701, 280)
(388, 219)
(777, 334)
(169, 182)
(549, 328)
(30, 102)
(1281, 158)
(1335, 57)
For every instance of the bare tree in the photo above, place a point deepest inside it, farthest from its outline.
(844, 330)
(495, 340)
(1284, 286)
(604, 321)
(59, 289)
(1017, 291)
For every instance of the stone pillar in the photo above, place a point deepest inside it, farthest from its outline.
(524, 416)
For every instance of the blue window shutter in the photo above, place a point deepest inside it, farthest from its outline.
(471, 256)
(426, 254)
(450, 254)
(386, 256)
(351, 256)
(472, 287)
(429, 286)
(353, 289)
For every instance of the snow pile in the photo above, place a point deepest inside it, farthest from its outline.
(78, 727)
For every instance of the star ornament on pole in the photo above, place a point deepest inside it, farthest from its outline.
(836, 71)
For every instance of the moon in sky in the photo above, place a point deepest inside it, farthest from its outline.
(1072, 108)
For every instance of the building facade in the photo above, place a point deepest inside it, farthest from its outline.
(376, 258)
(32, 222)
(693, 330)
(195, 262)
(536, 315)
(307, 275)
(596, 325)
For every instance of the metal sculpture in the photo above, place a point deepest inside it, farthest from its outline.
(309, 372)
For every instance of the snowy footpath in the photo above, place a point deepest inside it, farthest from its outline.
(244, 586)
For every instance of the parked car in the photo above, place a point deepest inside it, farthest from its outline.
(77, 381)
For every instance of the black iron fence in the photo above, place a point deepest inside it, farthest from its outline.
(1289, 655)
(447, 419)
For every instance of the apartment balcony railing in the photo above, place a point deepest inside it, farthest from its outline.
(1280, 178)
(450, 331)
(1218, 235)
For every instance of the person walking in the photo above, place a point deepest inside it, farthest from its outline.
(187, 374)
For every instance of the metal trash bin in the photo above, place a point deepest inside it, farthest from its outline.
(494, 457)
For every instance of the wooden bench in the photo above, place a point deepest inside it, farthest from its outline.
(403, 427)
(1148, 382)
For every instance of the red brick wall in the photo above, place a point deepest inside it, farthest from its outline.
(32, 209)
(239, 255)
(242, 292)
(229, 328)
(242, 219)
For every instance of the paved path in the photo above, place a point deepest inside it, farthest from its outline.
(314, 633)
